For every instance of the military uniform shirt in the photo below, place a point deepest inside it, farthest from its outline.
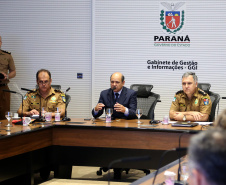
(32, 101)
(200, 102)
(6, 63)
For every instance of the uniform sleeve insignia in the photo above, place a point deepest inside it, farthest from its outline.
(25, 97)
(196, 101)
(206, 101)
(63, 97)
(174, 99)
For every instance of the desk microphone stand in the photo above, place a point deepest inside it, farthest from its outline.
(65, 117)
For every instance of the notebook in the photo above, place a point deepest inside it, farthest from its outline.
(184, 124)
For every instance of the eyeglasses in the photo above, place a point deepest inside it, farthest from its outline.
(43, 82)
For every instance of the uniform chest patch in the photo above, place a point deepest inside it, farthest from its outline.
(196, 101)
(206, 101)
(182, 105)
(33, 96)
(25, 97)
(53, 98)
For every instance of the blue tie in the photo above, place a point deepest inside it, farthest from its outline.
(116, 97)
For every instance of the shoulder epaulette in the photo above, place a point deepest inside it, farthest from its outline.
(33, 90)
(178, 92)
(6, 51)
(202, 92)
(58, 90)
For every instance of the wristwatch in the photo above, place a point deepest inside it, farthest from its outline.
(184, 118)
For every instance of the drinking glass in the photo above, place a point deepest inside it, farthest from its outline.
(139, 113)
(185, 171)
(43, 112)
(109, 112)
(9, 116)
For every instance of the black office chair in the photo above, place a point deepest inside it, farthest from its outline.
(205, 87)
(146, 100)
(68, 99)
(215, 99)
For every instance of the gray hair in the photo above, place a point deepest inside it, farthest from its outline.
(221, 120)
(207, 153)
(185, 75)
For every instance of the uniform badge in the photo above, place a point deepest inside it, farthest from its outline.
(174, 99)
(25, 97)
(33, 96)
(206, 101)
(53, 98)
(196, 101)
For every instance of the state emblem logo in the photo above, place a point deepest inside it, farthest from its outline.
(172, 17)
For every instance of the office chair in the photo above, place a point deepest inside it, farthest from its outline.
(68, 99)
(215, 99)
(146, 99)
(204, 86)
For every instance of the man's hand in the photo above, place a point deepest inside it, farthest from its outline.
(33, 112)
(197, 115)
(99, 106)
(119, 108)
(178, 116)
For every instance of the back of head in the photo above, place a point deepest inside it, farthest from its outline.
(207, 154)
(221, 120)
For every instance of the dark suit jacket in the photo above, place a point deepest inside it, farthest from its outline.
(128, 98)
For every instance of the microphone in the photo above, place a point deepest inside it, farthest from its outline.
(41, 119)
(127, 159)
(27, 90)
(65, 117)
(179, 156)
(19, 122)
(179, 149)
(113, 88)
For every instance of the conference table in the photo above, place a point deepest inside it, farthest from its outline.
(25, 150)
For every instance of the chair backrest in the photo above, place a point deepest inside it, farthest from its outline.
(68, 99)
(215, 98)
(146, 99)
(205, 87)
(57, 87)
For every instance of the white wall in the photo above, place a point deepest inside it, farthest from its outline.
(50, 34)
(99, 37)
(123, 40)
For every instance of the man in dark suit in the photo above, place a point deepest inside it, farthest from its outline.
(121, 99)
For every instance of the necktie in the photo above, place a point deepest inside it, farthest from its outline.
(116, 97)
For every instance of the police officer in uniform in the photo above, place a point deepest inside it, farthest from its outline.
(51, 99)
(7, 71)
(191, 103)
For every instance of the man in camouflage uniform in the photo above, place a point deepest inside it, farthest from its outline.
(51, 99)
(191, 103)
(7, 71)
